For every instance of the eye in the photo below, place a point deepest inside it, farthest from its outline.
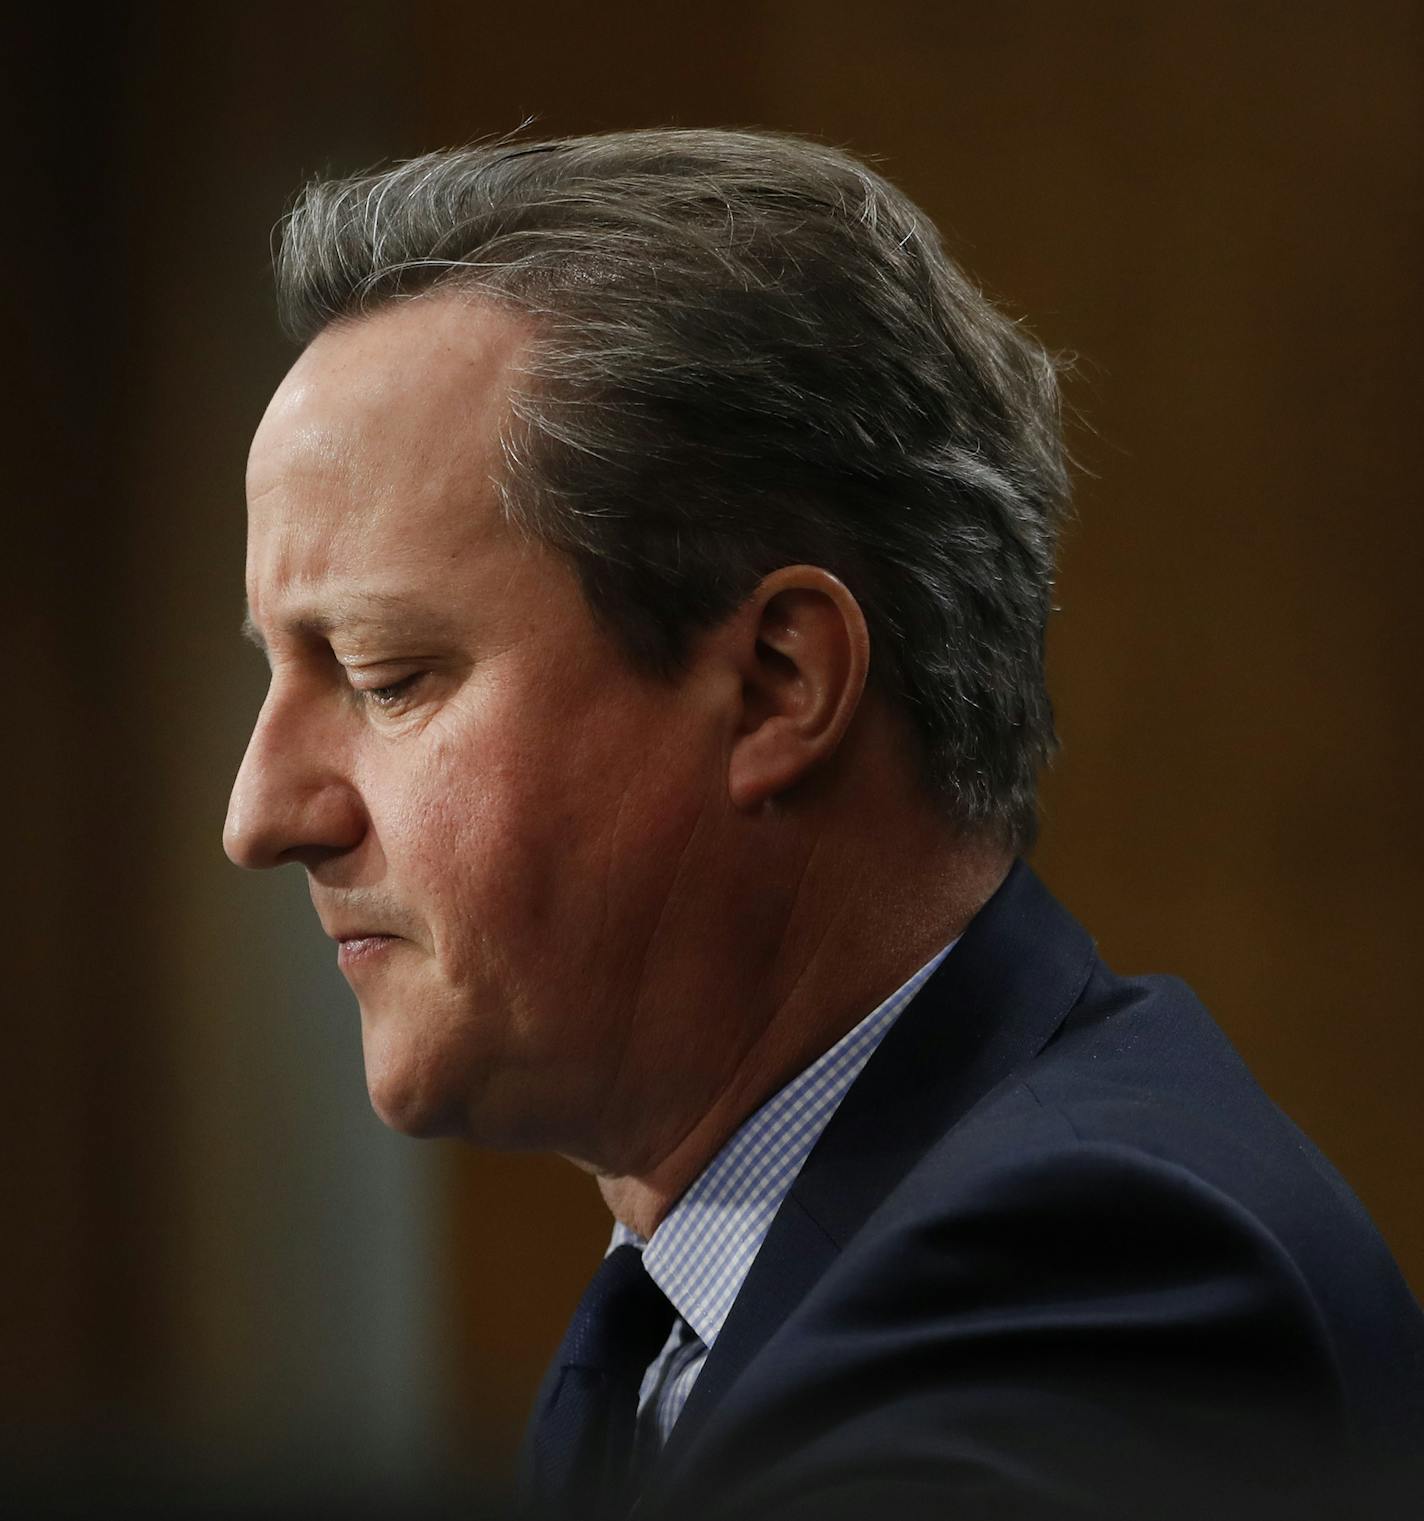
(389, 696)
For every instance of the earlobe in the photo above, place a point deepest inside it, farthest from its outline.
(804, 654)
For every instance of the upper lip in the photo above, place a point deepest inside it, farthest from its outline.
(343, 934)
(356, 918)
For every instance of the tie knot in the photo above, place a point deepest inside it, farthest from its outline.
(623, 1318)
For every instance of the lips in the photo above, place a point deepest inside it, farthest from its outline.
(357, 948)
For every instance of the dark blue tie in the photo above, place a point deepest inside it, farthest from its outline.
(580, 1444)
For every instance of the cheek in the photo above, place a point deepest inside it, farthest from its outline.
(528, 847)
(480, 837)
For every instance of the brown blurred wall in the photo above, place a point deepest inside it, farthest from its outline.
(1215, 206)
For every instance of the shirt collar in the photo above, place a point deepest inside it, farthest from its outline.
(701, 1253)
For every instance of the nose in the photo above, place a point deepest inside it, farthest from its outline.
(290, 801)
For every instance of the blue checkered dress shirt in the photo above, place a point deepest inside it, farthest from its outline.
(701, 1253)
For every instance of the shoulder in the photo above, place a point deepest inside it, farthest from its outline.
(1122, 1283)
(1138, 1152)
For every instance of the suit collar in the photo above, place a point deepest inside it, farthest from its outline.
(991, 1006)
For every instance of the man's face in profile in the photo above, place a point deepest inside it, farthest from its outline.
(492, 808)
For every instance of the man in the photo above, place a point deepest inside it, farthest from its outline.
(653, 547)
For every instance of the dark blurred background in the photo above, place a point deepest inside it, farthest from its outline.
(220, 1275)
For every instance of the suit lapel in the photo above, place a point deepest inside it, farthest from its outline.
(991, 1005)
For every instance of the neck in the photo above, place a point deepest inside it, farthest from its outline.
(834, 972)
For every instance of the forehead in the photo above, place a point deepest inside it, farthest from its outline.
(374, 463)
(418, 387)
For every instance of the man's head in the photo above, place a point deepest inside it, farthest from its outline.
(748, 351)
(646, 517)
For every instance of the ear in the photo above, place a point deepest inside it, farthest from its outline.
(803, 652)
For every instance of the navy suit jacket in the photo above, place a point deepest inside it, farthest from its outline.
(1057, 1254)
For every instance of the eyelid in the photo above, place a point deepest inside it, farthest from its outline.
(382, 673)
(387, 682)
(386, 674)
(385, 694)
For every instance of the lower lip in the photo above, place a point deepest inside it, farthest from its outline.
(368, 948)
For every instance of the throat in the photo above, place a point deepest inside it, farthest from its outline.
(636, 1203)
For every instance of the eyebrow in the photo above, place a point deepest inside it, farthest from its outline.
(358, 610)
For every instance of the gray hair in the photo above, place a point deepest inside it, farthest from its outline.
(750, 351)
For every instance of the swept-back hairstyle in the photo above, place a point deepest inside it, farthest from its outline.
(749, 351)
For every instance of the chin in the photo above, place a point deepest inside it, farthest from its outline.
(411, 1112)
(410, 1098)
